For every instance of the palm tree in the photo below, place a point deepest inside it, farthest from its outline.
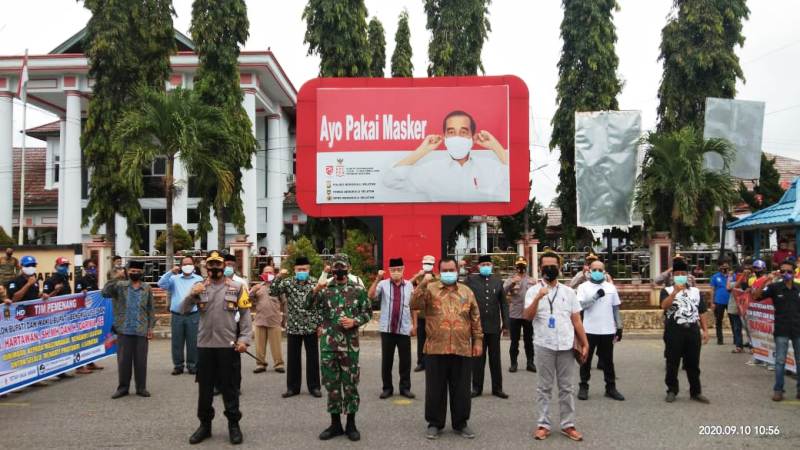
(172, 125)
(675, 191)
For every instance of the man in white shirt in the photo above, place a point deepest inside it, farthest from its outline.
(603, 324)
(554, 309)
(459, 176)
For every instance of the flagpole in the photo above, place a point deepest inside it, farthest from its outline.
(24, 86)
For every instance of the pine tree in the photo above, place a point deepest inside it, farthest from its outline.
(377, 48)
(336, 30)
(768, 190)
(401, 58)
(458, 30)
(218, 29)
(587, 82)
(698, 52)
(127, 44)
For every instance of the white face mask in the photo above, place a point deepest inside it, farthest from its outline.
(427, 267)
(29, 270)
(458, 147)
(187, 269)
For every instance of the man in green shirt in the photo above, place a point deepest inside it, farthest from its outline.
(344, 307)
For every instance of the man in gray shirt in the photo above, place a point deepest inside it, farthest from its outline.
(225, 332)
(515, 287)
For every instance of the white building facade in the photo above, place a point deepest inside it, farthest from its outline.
(60, 85)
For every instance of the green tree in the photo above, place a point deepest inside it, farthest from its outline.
(127, 44)
(377, 48)
(5, 239)
(302, 247)
(458, 30)
(336, 30)
(513, 227)
(401, 57)
(587, 82)
(182, 240)
(698, 53)
(359, 248)
(675, 192)
(174, 125)
(768, 190)
(218, 29)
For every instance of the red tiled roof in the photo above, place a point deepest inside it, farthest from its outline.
(788, 168)
(42, 131)
(35, 165)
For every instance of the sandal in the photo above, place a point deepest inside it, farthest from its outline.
(737, 350)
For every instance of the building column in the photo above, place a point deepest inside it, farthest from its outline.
(62, 206)
(212, 243)
(276, 185)
(179, 214)
(123, 242)
(249, 176)
(484, 237)
(71, 184)
(473, 237)
(6, 162)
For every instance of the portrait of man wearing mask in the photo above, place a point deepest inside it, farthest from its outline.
(461, 175)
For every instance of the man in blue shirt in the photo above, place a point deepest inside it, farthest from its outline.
(178, 282)
(721, 284)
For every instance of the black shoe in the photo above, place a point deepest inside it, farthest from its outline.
(386, 393)
(419, 368)
(315, 393)
(671, 396)
(583, 393)
(202, 433)
(513, 367)
(466, 432)
(701, 398)
(65, 375)
(280, 370)
(719, 342)
(192, 371)
(288, 394)
(351, 430)
(119, 393)
(260, 369)
(432, 433)
(407, 393)
(331, 432)
(235, 434)
(500, 394)
(476, 394)
(531, 367)
(613, 393)
(177, 371)
(143, 393)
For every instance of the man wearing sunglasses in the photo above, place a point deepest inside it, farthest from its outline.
(785, 296)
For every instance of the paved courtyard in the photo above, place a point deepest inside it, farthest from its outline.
(78, 412)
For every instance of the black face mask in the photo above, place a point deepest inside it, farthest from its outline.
(521, 268)
(215, 272)
(135, 276)
(340, 274)
(550, 273)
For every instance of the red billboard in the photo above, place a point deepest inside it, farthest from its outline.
(412, 150)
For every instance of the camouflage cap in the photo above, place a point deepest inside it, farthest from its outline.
(340, 258)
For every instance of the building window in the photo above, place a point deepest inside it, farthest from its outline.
(56, 167)
(158, 216)
(153, 179)
(192, 215)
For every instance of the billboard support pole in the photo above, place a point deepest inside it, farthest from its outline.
(412, 237)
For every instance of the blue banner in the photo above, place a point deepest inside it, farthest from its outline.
(43, 338)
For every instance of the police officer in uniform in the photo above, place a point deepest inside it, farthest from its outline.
(343, 306)
(224, 333)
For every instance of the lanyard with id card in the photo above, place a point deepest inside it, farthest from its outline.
(551, 322)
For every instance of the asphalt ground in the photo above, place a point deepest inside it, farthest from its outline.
(79, 413)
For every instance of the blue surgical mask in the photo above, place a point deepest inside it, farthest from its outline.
(301, 276)
(485, 270)
(228, 272)
(681, 279)
(92, 271)
(449, 277)
(62, 270)
(598, 277)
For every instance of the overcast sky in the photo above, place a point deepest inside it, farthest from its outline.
(525, 42)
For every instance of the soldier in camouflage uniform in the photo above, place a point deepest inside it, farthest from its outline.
(344, 307)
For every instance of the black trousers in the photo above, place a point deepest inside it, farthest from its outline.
(220, 367)
(132, 357)
(390, 341)
(491, 345)
(526, 327)
(294, 344)
(447, 374)
(719, 313)
(683, 343)
(604, 344)
(421, 341)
